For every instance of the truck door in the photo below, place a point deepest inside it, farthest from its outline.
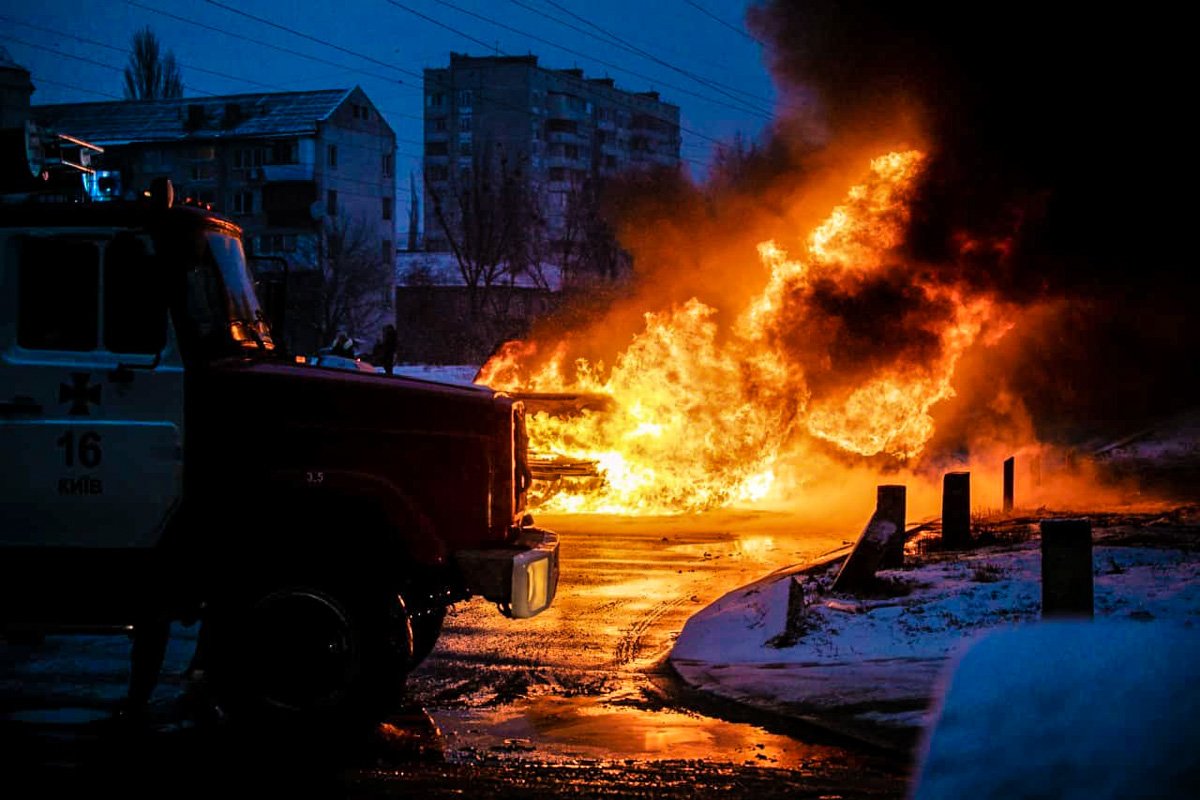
(91, 391)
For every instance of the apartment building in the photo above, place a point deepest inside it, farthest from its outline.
(278, 163)
(558, 126)
(287, 166)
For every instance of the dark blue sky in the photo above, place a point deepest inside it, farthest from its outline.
(697, 53)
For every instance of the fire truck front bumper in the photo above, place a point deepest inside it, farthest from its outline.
(521, 579)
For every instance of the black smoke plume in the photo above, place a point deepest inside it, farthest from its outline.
(1059, 151)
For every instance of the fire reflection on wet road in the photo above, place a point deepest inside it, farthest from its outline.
(577, 701)
(587, 681)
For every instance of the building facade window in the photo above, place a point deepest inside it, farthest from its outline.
(331, 202)
(435, 99)
(387, 208)
(436, 149)
(439, 125)
(247, 158)
(386, 251)
(243, 202)
(389, 165)
(438, 172)
(464, 123)
(465, 99)
(277, 243)
(331, 155)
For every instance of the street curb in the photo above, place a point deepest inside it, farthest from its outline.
(880, 739)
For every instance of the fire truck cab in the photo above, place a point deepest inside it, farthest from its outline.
(164, 461)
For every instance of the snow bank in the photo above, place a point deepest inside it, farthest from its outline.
(883, 658)
(1069, 710)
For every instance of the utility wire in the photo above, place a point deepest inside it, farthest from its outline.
(127, 51)
(452, 29)
(342, 179)
(610, 38)
(733, 28)
(310, 38)
(186, 66)
(663, 47)
(580, 54)
(11, 38)
(261, 43)
(38, 79)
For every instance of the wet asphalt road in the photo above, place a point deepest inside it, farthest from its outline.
(577, 702)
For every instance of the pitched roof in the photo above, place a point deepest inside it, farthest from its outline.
(225, 117)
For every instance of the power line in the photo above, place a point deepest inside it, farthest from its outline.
(190, 66)
(310, 38)
(199, 91)
(625, 103)
(580, 54)
(733, 28)
(339, 178)
(126, 51)
(608, 37)
(11, 38)
(261, 43)
(39, 79)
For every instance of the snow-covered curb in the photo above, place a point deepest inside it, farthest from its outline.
(873, 667)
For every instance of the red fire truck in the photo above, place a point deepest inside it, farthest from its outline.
(166, 462)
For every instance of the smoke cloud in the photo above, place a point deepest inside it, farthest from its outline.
(1057, 157)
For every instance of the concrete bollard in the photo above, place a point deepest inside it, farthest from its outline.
(796, 607)
(1009, 464)
(858, 570)
(956, 510)
(1067, 568)
(891, 501)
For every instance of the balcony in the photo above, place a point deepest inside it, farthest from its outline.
(289, 203)
(285, 172)
(566, 106)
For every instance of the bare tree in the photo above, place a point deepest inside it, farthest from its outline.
(489, 214)
(414, 212)
(587, 248)
(347, 285)
(732, 160)
(151, 74)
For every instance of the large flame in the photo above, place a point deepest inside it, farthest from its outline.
(701, 417)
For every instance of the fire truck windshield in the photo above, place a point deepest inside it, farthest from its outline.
(247, 323)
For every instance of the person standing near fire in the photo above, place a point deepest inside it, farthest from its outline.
(386, 353)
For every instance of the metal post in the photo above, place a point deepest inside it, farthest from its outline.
(891, 505)
(1067, 568)
(1009, 463)
(956, 510)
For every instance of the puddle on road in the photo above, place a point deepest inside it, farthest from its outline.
(589, 728)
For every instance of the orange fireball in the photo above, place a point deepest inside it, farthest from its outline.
(701, 416)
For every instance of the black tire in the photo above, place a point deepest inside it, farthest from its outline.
(426, 628)
(304, 656)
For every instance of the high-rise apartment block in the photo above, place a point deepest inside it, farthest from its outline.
(556, 127)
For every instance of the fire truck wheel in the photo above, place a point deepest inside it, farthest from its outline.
(426, 628)
(305, 657)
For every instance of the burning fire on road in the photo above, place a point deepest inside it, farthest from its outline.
(926, 264)
(706, 409)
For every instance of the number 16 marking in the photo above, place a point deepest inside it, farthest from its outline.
(88, 450)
